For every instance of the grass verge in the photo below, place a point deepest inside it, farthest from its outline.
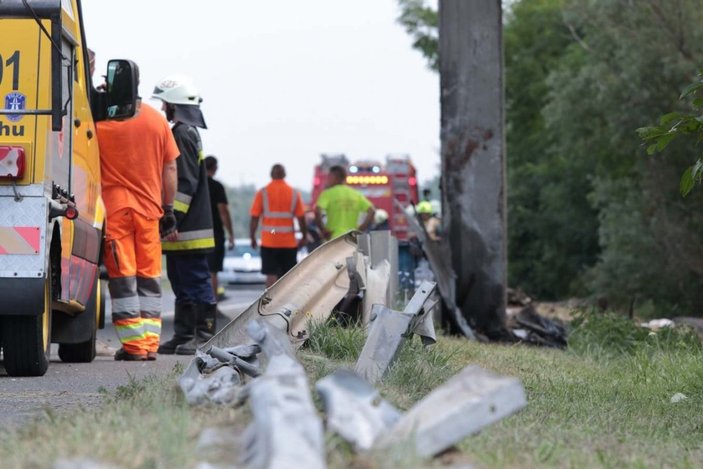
(143, 424)
(605, 402)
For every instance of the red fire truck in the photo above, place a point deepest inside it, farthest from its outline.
(380, 183)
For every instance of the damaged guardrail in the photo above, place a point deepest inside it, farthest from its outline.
(286, 431)
(439, 257)
(468, 402)
(354, 409)
(465, 404)
(389, 329)
(305, 294)
(253, 359)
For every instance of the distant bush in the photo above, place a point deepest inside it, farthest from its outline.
(612, 334)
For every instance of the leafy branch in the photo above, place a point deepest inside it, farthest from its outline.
(421, 22)
(676, 124)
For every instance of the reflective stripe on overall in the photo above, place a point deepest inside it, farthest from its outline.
(133, 261)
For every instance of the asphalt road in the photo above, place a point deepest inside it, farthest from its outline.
(68, 386)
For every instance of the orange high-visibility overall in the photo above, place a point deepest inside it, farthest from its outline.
(132, 157)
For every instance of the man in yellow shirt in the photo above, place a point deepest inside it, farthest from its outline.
(342, 205)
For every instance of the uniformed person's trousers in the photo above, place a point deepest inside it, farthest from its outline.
(133, 260)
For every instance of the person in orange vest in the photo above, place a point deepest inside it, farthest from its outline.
(139, 179)
(276, 206)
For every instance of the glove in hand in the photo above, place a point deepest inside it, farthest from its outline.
(167, 224)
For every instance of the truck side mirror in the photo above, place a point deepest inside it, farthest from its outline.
(122, 89)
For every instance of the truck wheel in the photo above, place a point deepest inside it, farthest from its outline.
(84, 352)
(26, 339)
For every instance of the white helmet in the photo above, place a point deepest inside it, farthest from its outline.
(177, 89)
(380, 216)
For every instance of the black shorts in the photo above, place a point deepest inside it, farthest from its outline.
(216, 258)
(278, 261)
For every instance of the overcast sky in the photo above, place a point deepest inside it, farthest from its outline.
(282, 80)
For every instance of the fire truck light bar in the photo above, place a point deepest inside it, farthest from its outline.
(367, 179)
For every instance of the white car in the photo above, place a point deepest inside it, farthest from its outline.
(242, 264)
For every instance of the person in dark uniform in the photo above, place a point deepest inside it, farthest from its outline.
(187, 246)
(221, 221)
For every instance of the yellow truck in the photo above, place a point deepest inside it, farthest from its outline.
(51, 213)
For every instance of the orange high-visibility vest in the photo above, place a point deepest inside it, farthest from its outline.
(278, 204)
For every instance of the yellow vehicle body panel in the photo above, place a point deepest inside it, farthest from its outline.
(68, 158)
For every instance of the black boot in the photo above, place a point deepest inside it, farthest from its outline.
(204, 329)
(183, 327)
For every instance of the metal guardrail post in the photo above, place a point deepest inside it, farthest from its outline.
(470, 401)
(387, 333)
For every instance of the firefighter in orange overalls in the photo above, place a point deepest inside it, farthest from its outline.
(138, 175)
(277, 204)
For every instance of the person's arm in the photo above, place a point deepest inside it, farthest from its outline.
(253, 225)
(303, 231)
(169, 183)
(256, 210)
(370, 212)
(226, 222)
(188, 143)
(300, 216)
(318, 220)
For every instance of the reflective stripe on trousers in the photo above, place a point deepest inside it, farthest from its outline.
(136, 312)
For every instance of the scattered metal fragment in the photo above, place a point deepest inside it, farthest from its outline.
(377, 288)
(286, 431)
(528, 326)
(220, 386)
(206, 363)
(439, 256)
(468, 402)
(388, 331)
(354, 409)
(347, 311)
(233, 360)
(371, 281)
(379, 247)
(244, 351)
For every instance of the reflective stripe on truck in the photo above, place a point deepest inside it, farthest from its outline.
(19, 240)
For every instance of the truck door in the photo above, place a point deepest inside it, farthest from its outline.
(59, 153)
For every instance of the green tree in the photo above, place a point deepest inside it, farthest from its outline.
(677, 124)
(551, 227)
(420, 22)
(625, 60)
(588, 214)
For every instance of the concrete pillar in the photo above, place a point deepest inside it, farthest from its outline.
(473, 156)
